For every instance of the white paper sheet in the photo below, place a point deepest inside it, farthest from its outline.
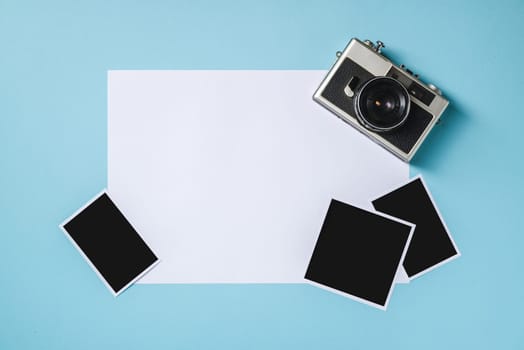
(228, 174)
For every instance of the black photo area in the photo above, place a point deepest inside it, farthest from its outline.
(431, 243)
(110, 242)
(358, 252)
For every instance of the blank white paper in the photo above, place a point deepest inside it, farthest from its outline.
(228, 174)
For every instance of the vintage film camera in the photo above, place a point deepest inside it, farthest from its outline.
(387, 103)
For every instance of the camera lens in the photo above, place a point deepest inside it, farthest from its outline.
(382, 104)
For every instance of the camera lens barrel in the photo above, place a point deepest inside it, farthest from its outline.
(382, 104)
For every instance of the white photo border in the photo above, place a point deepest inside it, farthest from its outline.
(99, 274)
(426, 188)
(401, 260)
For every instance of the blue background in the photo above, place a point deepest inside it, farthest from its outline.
(53, 61)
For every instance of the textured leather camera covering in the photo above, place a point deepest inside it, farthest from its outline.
(334, 91)
(406, 136)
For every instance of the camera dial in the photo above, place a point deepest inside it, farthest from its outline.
(377, 48)
(435, 89)
(382, 104)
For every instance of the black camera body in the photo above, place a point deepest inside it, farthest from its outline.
(386, 102)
